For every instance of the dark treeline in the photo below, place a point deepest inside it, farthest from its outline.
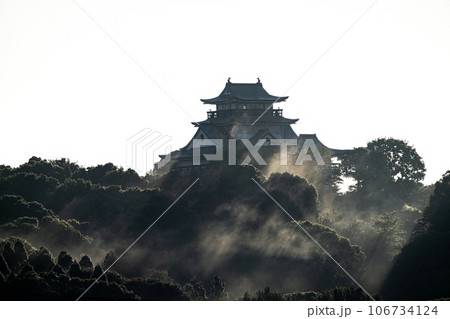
(62, 224)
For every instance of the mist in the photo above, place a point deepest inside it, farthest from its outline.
(225, 232)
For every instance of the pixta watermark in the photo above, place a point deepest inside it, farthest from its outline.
(144, 147)
(150, 149)
(307, 147)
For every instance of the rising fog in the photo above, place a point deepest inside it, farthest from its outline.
(224, 238)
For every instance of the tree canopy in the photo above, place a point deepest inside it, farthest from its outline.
(422, 269)
(386, 167)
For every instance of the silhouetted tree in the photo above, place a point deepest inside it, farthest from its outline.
(12, 259)
(386, 170)
(437, 214)
(422, 270)
(86, 263)
(218, 289)
(110, 257)
(75, 270)
(295, 194)
(29, 185)
(195, 290)
(98, 271)
(42, 260)
(20, 251)
(149, 289)
(27, 271)
(43, 167)
(268, 295)
(57, 269)
(4, 268)
(109, 174)
(389, 236)
(13, 206)
(65, 260)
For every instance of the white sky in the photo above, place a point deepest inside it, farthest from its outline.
(67, 90)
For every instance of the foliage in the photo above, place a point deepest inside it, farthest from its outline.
(36, 277)
(30, 186)
(225, 224)
(388, 234)
(195, 290)
(386, 167)
(335, 294)
(422, 270)
(13, 207)
(295, 194)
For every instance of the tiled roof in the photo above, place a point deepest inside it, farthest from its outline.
(244, 92)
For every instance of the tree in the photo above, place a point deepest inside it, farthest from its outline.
(65, 260)
(389, 237)
(4, 268)
(75, 270)
(218, 289)
(422, 270)
(195, 290)
(437, 214)
(12, 259)
(387, 167)
(86, 263)
(110, 258)
(268, 295)
(98, 271)
(29, 185)
(13, 206)
(300, 198)
(39, 166)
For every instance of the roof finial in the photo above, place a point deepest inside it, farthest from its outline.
(259, 81)
(229, 80)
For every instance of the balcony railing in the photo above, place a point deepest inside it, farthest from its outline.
(249, 112)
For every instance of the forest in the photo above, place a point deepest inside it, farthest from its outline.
(62, 225)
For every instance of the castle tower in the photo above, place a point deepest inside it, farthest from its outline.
(242, 111)
(246, 110)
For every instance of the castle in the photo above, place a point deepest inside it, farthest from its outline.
(243, 112)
